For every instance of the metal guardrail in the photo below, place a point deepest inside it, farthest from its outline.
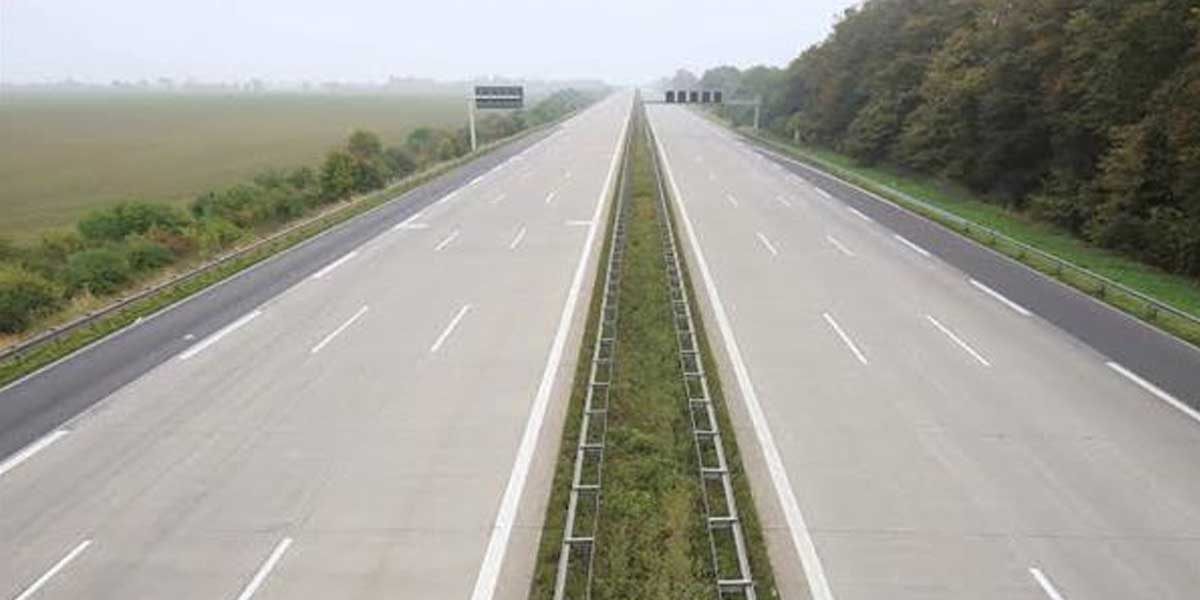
(1103, 285)
(54, 334)
(583, 504)
(720, 507)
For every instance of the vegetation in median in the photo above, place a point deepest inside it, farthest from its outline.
(651, 540)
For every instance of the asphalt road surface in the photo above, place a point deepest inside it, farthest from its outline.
(924, 434)
(361, 423)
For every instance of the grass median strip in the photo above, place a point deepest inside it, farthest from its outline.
(651, 535)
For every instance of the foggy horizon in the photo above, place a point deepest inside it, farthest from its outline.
(623, 42)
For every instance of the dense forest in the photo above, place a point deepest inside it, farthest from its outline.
(1084, 113)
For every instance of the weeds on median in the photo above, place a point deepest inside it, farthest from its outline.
(651, 541)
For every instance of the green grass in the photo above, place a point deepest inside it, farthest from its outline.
(1178, 291)
(63, 154)
(651, 540)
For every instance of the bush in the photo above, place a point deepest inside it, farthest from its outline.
(98, 270)
(145, 255)
(177, 242)
(400, 161)
(215, 234)
(115, 223)
(238, 204)
(25, 296)
(58, 244)
(337, 176)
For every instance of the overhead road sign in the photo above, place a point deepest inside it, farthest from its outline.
(694, 97)
(499, 96)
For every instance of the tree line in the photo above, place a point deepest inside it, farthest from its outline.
(1082, 113)
(112, 248)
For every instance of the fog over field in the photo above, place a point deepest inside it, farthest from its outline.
(622, 41)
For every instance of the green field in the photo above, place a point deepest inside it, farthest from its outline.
(62, 154)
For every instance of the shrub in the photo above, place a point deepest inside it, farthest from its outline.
(58, 244)
(177, 242)
(215, 234)
(115, 223)
(337, 176)
(238, 204)
(145, 255)
(24, 296)
(364, 145)
(400, 161)
(97, 270)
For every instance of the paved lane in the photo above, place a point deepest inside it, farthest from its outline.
(937, 440)
(364, 434)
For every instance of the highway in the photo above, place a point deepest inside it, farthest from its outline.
(912, 428)
(361, 417)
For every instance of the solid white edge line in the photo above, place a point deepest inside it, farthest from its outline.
(766, 242)
(199, 347)
(27, 452)
(265, 569)
(446, 242)
(327, 269)
(493, 558)
(859, 214)
(912, 246)
(841, 248)
(1044, 583)
(58, 566)
(447, 197)
(517, 240)
(1155, 390)
(814, 572)
(957, 340)
(1021, 310)
(845, 338)
(410, 223)
(336, 332)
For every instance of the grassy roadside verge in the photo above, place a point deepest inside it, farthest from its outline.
(984, 217)
(651, 538)
(25, 362)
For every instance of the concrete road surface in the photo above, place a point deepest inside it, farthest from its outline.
(366, 433)
(923, 435)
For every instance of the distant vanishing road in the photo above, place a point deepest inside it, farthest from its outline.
(374, 413)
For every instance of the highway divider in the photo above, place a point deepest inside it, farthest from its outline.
(670, 491)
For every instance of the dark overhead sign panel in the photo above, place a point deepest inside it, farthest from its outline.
(499, 96)
(694, 97)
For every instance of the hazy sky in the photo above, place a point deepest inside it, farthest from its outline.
(622, 41)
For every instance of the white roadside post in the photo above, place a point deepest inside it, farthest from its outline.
(471, 119)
